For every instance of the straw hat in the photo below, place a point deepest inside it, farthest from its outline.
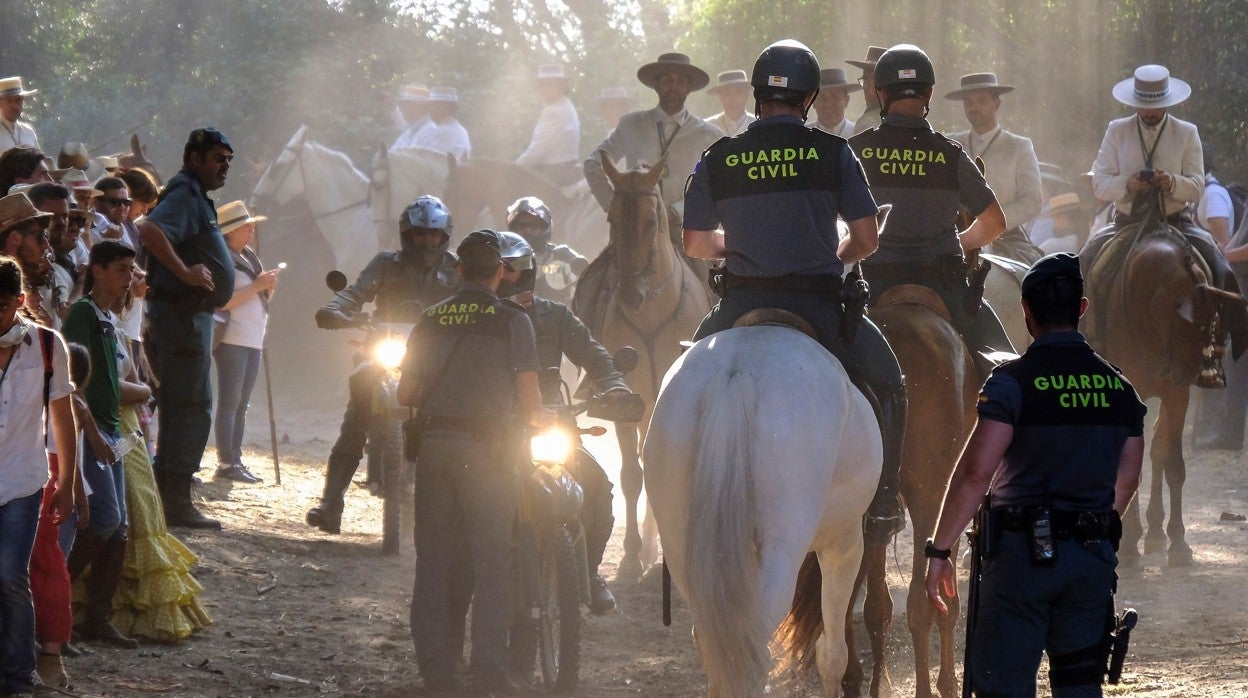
(16, 209)
(1064, 203)
(728, 78)
(78, 181)
(649, 73)
(1152, 88)
(443, 94)
(613, 94)
(873, 55)
(12, 87)
(234, 215)
(835, 79)
(73, 155)
(414, 92)
(979, 82)
(552, 72)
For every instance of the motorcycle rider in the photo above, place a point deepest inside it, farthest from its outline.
(400, 285)
(558, 266)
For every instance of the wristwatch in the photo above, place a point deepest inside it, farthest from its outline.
(930, 550)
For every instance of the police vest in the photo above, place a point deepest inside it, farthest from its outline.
(777, 158)
(908, 158)
(1070, 385)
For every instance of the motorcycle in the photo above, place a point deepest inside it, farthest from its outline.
(553, 574)
(390, 474)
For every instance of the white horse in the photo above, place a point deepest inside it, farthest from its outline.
(1001, 290)
(399, 176)
(323, 189)
(761, 451)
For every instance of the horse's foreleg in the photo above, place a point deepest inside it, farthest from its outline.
(919, 617)
(1155, 536)
(630, 483)
(877, 613)
(1132, 531)
(1167, 449)
(947, 679)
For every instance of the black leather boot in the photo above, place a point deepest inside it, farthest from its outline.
(885, 516)
(106, 572)
(180, 511)
(327, 515)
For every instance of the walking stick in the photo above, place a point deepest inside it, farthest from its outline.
(268, 392)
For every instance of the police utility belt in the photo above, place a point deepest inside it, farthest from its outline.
(1083, 526)
(722, 281)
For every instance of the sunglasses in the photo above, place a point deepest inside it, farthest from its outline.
(116, 202)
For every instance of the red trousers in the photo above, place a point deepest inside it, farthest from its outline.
(49, 577)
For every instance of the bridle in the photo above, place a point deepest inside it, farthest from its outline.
(298, 164)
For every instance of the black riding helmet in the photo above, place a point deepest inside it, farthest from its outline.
(788, 72)
(904, 71)
(534, 209)
(425, 213)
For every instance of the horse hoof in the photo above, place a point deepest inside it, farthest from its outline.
(1180, 555)
(1154, 544)
(629, 572)
(1129, 559)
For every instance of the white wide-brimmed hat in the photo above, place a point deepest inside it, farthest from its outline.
(613, 94)
(728, 78)
(551, 71)
(234, 215)
(78, 181)
(12, 87)
(1152, 88)
(979, 82)
(414, 92)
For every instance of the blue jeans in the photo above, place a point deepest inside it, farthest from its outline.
(108, 492)
(237, 368)
(18, 521)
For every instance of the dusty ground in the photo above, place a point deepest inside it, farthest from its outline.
(335, 619)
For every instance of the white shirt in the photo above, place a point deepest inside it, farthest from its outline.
(1178, 153)
(411, 136)
(23, 458)
(556, 136)
(730, 126)
(247, 319)
(845, 129)
(15, 134)
(448, 137)
(1215, 203)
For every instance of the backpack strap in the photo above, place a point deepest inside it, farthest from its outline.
(45, 342)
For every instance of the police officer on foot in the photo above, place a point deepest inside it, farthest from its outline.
(927, 177)
(779, 239)
(470, 371)
(400, 285)
(1059, 441)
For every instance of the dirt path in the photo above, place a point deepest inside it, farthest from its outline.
(333, 616)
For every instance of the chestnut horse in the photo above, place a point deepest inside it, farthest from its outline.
(942, 384)
(1148, 305)
(644, 296)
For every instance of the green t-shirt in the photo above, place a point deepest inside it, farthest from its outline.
(85, 326)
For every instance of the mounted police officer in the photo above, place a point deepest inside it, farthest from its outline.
(400, 285)
(777, 190)
(1060, 442)
(558, 266)
(926, 177)
(470, 370)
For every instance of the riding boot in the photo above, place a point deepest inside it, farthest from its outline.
(101, 587)
(885, 516)
(327, 515)
(180, 511)
(597, 521)
(87, 546)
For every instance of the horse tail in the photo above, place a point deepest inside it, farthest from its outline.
(803, 626)
(722, 555)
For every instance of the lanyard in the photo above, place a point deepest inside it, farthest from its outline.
(984, 152)
(1145, 150)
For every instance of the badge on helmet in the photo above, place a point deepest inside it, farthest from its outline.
(785, 69)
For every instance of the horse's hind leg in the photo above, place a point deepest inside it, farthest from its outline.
(630, 483)
(839, 563)
(1132, 532)
(877, 614)
(1167, 447)
(851, 683)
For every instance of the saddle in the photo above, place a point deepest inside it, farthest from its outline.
(777, 318)
(914, 294)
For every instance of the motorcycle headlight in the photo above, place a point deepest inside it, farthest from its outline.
(388, 353)
(551, 446)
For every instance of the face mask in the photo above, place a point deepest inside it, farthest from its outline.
(15, 334)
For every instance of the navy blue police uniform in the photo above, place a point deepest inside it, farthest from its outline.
(926, 177)
(463, 356)
(777, 189)
(399, 290)
(1071, 412)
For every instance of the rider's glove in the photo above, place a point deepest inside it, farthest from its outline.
(334, 319)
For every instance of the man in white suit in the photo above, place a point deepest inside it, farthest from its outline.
(668, 131)
(1010, 163)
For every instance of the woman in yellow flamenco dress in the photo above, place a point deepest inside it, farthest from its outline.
(158, 598)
